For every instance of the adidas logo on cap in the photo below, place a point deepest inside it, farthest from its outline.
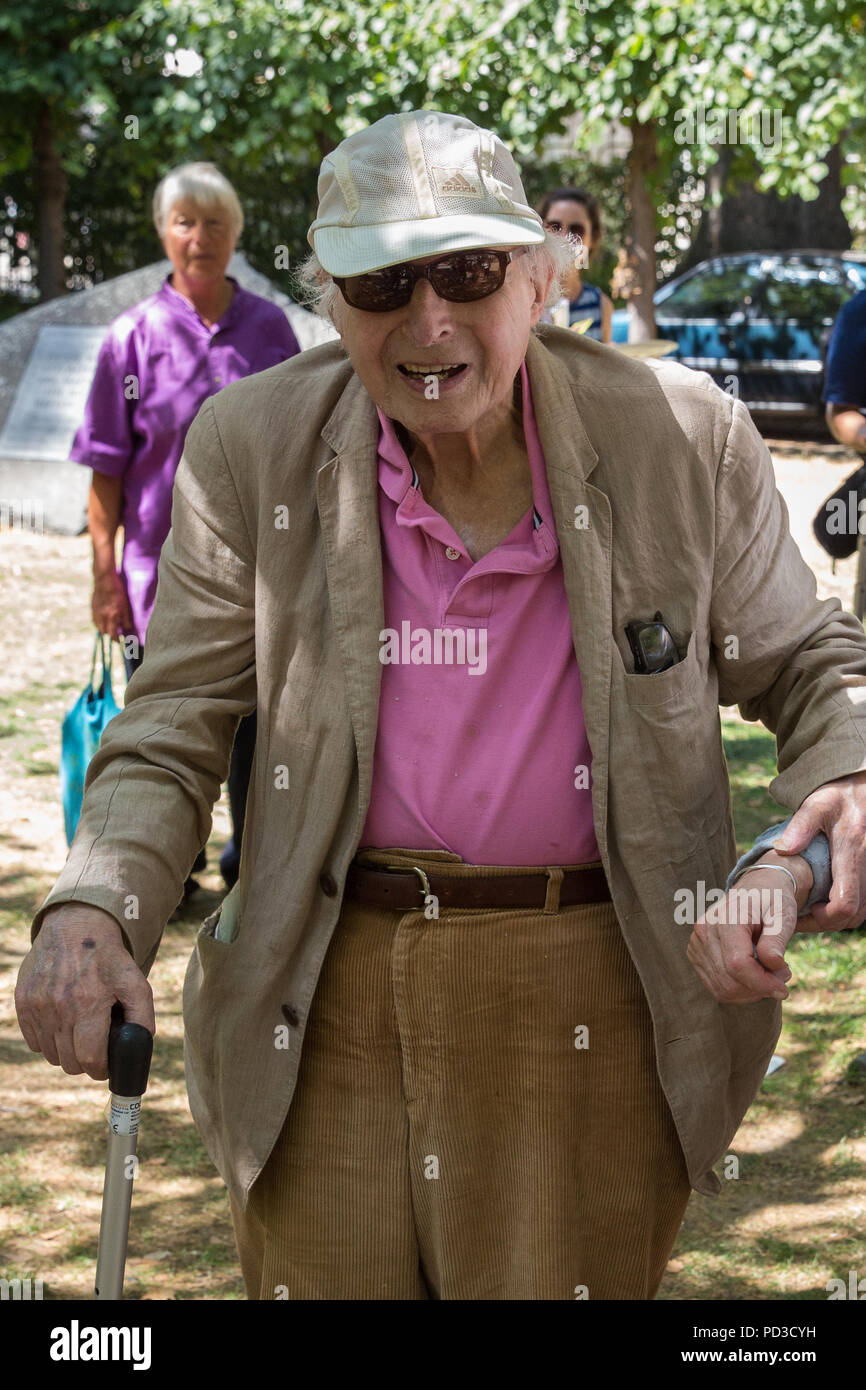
(454, 183)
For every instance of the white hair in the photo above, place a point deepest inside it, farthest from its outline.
(556, 253)
(202, 184)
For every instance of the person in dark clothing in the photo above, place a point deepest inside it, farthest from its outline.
(845, 375)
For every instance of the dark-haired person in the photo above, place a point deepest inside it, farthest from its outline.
(575, 212)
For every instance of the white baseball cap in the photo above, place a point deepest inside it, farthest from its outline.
(414, 184)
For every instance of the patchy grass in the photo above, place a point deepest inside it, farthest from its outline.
(794, 1217)
(52, 1126)
(53, 1146)
(750, 752)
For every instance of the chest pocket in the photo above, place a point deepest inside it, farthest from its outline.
(668, 756)
(665, 687)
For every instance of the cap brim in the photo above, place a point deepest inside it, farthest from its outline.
(356, 250)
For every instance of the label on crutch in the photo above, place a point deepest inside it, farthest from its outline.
(123, 1118)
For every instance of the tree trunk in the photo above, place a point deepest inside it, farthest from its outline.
(640, 164)
(51, 186)
(746, 220)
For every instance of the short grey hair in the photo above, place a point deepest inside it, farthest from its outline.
(559, 254)
(202, 184)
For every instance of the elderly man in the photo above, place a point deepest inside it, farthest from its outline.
(450, 1035)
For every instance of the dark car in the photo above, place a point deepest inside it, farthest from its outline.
(759, 323)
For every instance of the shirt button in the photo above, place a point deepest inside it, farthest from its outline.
(218, 380)
(452, 553)
(328, 885)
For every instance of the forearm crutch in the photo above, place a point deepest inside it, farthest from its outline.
(129, 1052)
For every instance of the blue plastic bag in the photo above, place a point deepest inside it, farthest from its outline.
(82, 730)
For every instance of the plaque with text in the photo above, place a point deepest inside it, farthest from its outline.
(51, 395)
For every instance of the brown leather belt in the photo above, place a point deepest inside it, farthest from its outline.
(404, 887)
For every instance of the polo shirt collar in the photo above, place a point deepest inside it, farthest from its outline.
(399, 481)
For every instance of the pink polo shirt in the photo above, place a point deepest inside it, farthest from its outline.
(481, 746)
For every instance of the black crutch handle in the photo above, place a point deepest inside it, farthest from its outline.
(130, 1047)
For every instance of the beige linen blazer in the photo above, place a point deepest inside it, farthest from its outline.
(270, 596)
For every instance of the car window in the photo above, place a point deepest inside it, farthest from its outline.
(797, 290)
(717, 291)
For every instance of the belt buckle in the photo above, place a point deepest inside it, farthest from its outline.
(414, 868)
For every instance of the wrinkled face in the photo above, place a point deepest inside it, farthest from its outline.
(198, 240)
(438, 366)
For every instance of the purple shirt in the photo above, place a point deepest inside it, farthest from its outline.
(158, 364)
(488, 756)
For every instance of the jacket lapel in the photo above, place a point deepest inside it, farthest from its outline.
(347, 496)
(583, 522)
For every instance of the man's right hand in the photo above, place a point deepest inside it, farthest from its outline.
(77, 968)
(110, 604)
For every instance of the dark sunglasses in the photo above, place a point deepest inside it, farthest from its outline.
(652, 646)
(572, 228)
(459, 277)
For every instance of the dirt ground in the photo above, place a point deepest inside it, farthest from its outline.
(799, 1220)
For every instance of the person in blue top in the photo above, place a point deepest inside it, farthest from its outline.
(845, 375)
(575, 212)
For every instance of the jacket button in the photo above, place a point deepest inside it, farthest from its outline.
(328, 885)
(290, 1015)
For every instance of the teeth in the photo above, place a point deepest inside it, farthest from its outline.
(412, 370)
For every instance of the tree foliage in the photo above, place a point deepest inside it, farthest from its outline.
(265, 88)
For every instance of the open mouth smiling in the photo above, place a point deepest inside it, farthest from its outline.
(442, 371)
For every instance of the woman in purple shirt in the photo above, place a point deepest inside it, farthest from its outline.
(159, 362)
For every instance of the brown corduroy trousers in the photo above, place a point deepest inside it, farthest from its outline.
(478, 1114)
